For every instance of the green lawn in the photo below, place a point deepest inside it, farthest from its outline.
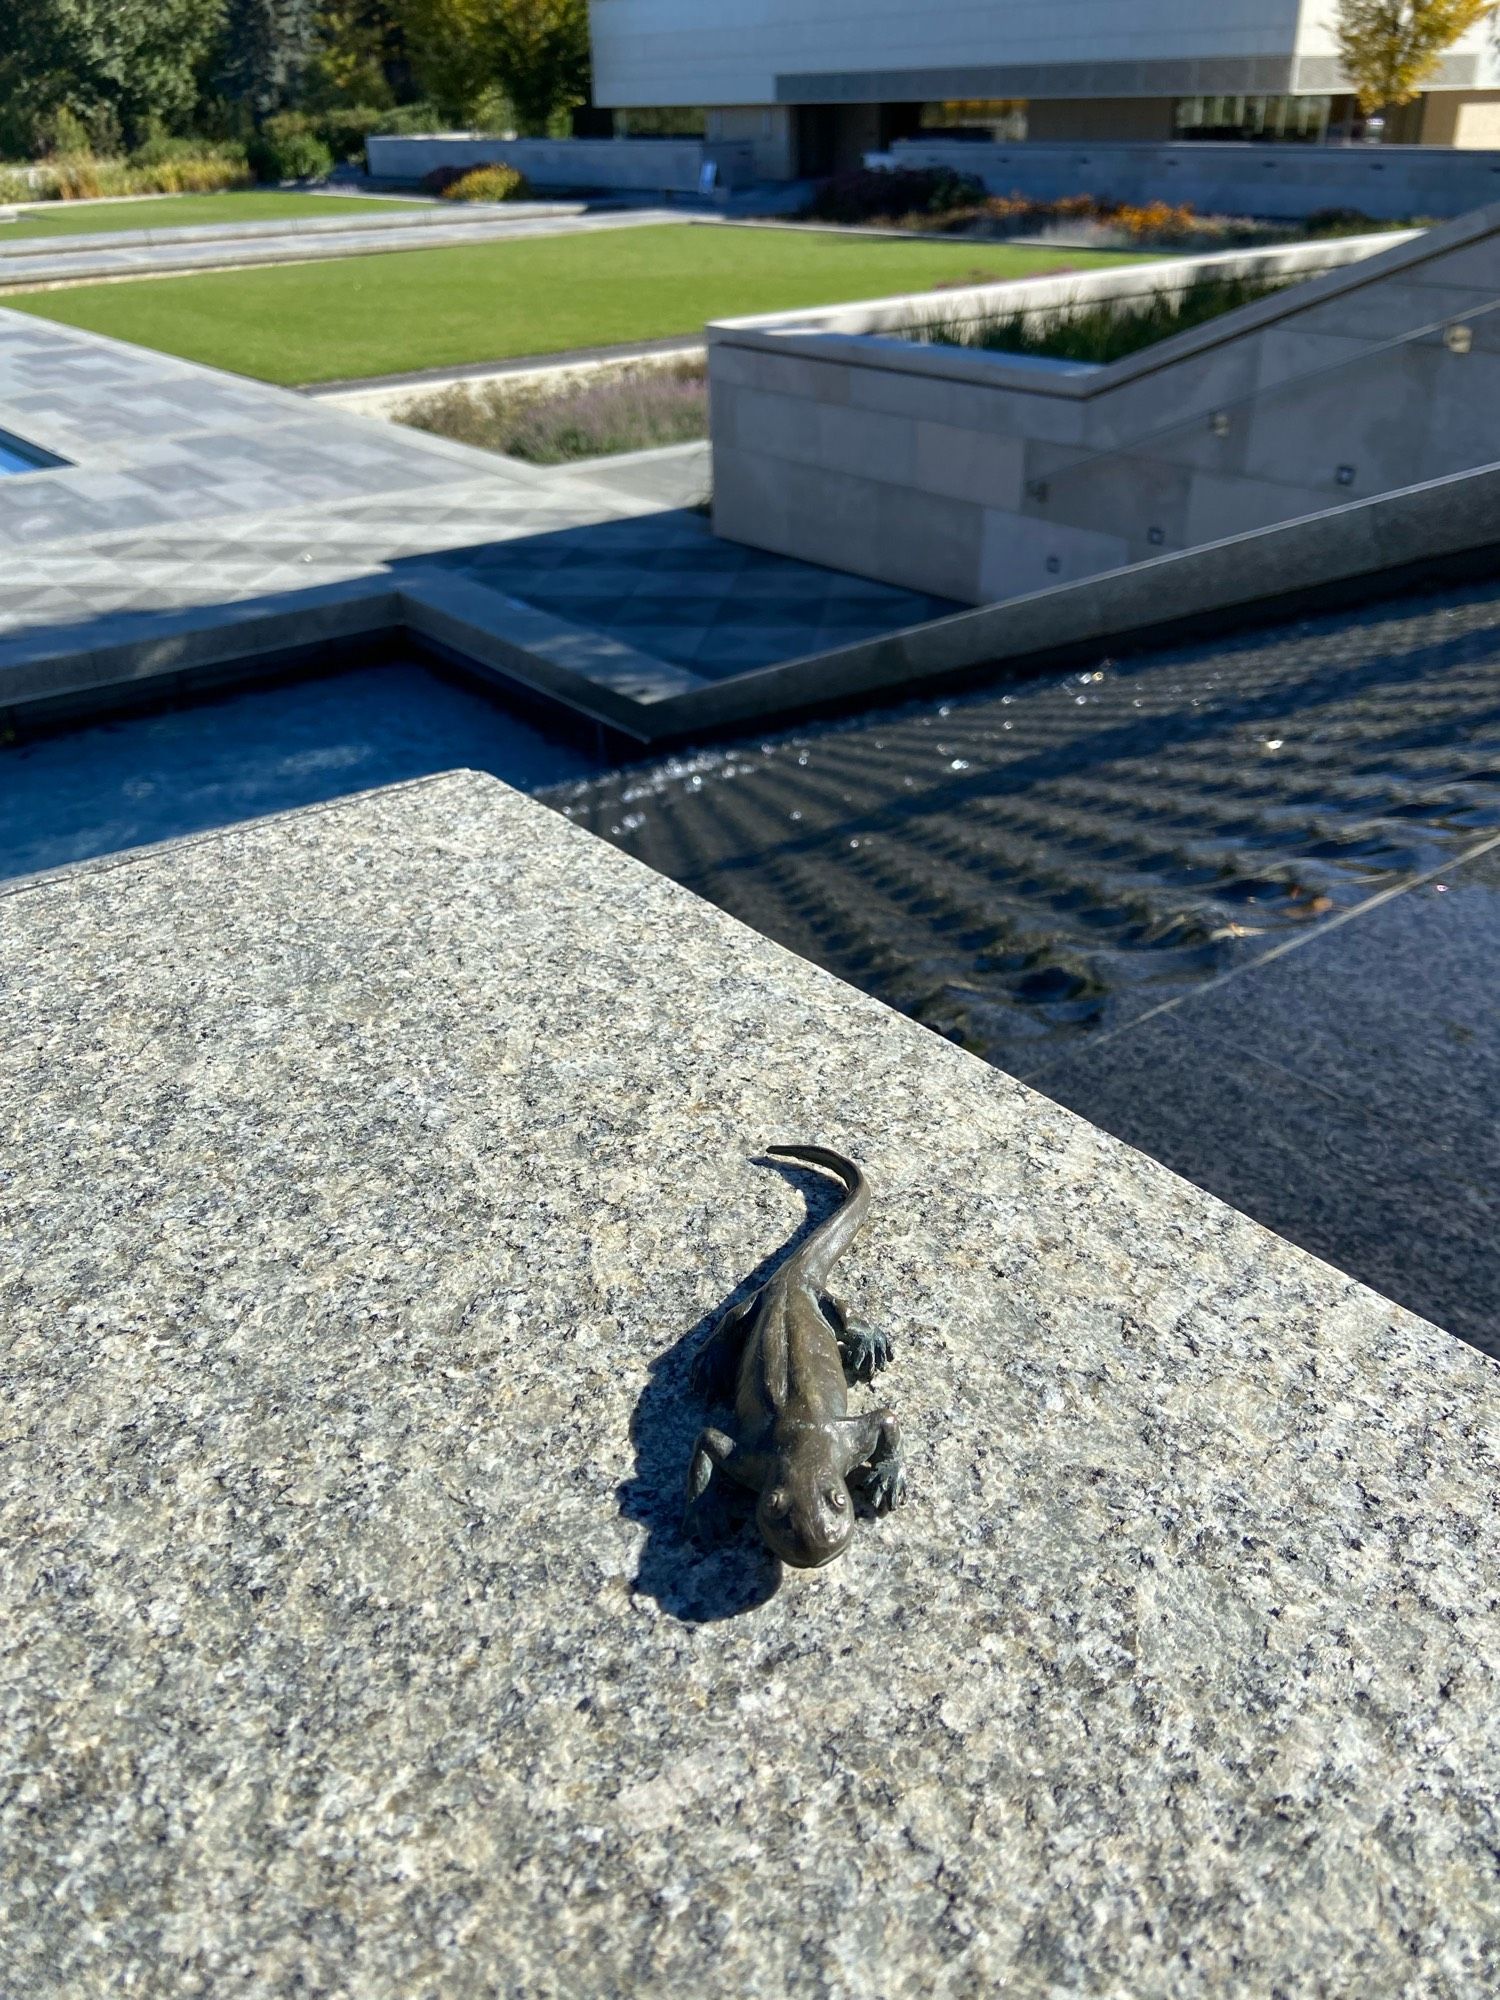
(177, 211)
(384, 314)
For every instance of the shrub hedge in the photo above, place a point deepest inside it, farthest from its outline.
(289, 156)
(874, 193)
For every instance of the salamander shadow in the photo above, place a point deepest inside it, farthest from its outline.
(703, 1586)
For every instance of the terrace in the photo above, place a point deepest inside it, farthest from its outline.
(382, 1152)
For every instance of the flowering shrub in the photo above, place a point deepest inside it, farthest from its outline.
(1160, 220)
(613, 410)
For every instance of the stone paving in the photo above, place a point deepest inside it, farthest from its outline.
(188, 497)
(667, 585)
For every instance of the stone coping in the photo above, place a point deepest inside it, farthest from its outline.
(371, 1175)
(1292, 566)
(643, 700)
(862, 333)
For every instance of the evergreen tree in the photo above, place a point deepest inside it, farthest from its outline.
(265, 52)
(361, 53)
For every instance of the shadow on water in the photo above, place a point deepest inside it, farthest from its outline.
(698, 1586)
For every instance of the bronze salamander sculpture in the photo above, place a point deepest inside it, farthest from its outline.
(782, 1359)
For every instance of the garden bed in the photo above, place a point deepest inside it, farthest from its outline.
(939, 201)
(1101, 332)
(639, 406)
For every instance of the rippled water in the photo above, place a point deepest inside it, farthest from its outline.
(1030, 864)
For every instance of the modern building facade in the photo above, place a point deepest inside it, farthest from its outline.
(814, 84)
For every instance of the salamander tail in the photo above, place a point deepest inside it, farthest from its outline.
(828, 1242)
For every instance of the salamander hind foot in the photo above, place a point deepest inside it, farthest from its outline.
(865, 1352)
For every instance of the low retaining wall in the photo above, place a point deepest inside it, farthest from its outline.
(982, 476)
(1391, 183)
(627, 166)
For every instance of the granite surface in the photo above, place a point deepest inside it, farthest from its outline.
(370, 1175)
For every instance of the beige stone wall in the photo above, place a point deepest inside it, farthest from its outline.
(1475, 119)
(982, 477)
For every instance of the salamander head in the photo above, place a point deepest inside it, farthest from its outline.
(805, 1513)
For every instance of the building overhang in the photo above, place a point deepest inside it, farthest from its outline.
(1206, 76)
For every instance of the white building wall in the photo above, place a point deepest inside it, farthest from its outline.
(733, 51)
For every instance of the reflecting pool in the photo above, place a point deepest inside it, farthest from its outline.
(155, 775)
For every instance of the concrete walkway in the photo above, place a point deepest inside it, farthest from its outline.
(226, 231)
(39, 262)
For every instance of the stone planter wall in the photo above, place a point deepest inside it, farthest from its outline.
(982, 476)
(629, 166)
(1235, 178)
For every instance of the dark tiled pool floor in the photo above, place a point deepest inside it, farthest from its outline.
(1346, 1093)
(665, 585)
(1238, 903)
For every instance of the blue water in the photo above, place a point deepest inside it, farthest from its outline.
(15, 457)
(154, 776)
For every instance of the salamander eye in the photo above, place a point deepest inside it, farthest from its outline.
(778, 1501)
(837, 1496)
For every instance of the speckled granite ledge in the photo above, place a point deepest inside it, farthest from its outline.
(366, 1176)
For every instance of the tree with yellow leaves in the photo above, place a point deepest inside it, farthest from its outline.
(1390, 48)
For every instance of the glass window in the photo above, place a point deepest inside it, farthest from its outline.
(1001, 118)
(1267, 118)
(673, 121)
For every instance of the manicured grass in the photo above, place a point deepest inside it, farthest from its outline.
(178, 211)
(385, 314)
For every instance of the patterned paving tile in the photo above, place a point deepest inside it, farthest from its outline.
(188, 490)
(666, 585)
